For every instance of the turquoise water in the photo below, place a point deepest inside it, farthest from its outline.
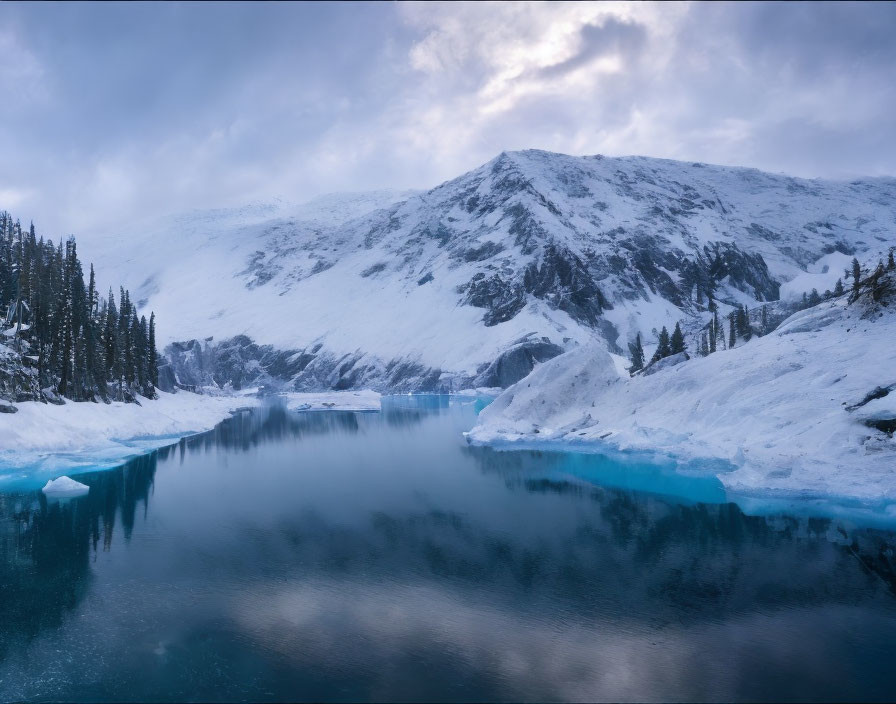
(376, 556)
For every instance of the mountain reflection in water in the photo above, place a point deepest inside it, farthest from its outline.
(364, 556)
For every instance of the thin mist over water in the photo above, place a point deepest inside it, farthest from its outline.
(369, 556)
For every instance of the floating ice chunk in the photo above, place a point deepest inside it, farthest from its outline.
(65, 486)
(333, 401)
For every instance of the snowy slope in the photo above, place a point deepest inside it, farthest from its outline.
(785, 412)
(533, 246)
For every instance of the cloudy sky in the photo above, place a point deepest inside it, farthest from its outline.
(113, 113)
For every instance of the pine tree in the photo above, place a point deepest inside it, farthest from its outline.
(110, 339)
(154, 359)
(877, 290)
(676, 344)
(704, 345)
(636, 351)
(92, 297)
(742, 323)
(66, 322)
(838, 288)
(141, 354)
(732, 337)
(891, 263)
(814, 298)
(856, 278)
(713, 331)
(125, 343)
(663, 348)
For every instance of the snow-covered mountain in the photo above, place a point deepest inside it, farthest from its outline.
(478, 279)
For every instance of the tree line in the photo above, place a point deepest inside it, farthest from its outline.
(712, 339)
(80, 344)
(667, 345)
(740, 326)
(875, 282)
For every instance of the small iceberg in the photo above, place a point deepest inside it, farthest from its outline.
(65, 486)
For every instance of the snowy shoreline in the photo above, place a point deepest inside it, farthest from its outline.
(41, 440)
(752, 500)
(784, 416)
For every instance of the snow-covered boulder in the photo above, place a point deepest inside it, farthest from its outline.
(49, 395)
(65, 486)
(516, 362)
(334, 401)
(665, 363)
(555, 398)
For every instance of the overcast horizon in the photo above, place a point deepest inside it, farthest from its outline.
(117, 112)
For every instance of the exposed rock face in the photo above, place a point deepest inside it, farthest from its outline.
(746, 272)
(562, 280)
(517, 362)
(167, 378)
(18, 381)
(501, 299)
(239, 363)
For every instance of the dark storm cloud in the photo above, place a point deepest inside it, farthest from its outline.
(113, 112)
(611, 37)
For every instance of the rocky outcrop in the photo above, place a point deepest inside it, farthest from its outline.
(239, 363)
(563, 281)
(665, 363)
(502, 299)
(746, 272)
(236, 363)
(516, 363)
(18, 378)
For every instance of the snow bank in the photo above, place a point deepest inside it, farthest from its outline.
(334, 401)
(65, 486)
(43, 438)
(774, 410)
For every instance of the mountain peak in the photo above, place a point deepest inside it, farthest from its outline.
(532, 246)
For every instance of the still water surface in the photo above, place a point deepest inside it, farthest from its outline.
(349, 556)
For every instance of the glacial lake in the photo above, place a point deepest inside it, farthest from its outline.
(376, 556)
